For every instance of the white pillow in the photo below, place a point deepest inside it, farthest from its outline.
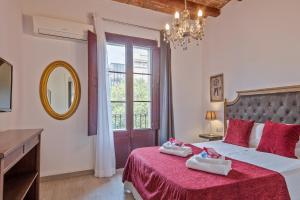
(256, 134)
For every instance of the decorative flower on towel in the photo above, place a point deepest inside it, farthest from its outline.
(174, 141)
(212, 153)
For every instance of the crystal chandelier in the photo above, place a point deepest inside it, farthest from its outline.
(184, 29)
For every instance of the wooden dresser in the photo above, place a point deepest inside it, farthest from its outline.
(20, 164)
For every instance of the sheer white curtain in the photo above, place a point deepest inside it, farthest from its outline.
(105, 165)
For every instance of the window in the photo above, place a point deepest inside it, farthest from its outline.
(142, 87)
(133, 67)
(117, 81)
(130, 67)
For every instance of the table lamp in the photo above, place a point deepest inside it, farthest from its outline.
(210, 116)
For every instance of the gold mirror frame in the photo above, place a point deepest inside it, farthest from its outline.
(43, 90)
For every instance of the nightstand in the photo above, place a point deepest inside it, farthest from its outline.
(211, 137)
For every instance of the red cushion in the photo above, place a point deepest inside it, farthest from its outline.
(280, 139)
(238, 132)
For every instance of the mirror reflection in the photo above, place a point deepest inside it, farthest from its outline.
(5, 86)
(60, 90)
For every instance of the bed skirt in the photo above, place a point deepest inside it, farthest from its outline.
(153, 178)
(129, 187)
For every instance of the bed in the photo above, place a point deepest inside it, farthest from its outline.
(151, 175)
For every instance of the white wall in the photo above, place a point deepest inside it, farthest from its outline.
(10, 42)
(187, 83)
(255, 44)
(65, 144)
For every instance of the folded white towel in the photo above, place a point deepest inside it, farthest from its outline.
(216, 168)
(181, 151)
(220, 160)
(169, 145)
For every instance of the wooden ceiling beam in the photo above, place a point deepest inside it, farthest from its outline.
(171, 6)
(211, 3)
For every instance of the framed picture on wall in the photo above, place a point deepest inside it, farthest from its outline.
(217, 88)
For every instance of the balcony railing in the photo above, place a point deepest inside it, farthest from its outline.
(141, 121)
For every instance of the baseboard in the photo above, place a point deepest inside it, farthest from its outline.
(66, 175)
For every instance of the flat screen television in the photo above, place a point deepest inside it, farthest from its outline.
(6, 72)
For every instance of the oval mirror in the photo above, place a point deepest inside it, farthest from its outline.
(60, 90)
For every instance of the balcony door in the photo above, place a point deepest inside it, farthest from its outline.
(134, 84)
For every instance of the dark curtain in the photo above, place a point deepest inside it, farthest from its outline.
(92, 84)
(166, 102)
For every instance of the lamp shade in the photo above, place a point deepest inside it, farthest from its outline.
(211, 115)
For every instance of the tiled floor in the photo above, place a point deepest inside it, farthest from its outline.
(85, 188)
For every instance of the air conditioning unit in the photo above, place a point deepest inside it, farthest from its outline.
(60, 28)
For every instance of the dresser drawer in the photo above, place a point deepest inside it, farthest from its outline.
(30, 144)
(13, 157)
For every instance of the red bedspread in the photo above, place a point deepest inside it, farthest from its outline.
(159, 176)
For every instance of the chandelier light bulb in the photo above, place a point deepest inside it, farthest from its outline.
(177, 15)
(184, 29)
(200, 13)
(167, 27)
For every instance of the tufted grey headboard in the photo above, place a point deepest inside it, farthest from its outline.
(277, 104)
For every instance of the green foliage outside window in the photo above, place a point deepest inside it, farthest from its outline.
(141, 116)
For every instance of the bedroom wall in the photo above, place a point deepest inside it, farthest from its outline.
(10, 41)
(65, 144)
(255, 44)
(187, 92)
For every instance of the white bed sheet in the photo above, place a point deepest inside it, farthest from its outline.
(287, 167)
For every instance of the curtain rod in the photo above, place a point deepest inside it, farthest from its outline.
(128, 24)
